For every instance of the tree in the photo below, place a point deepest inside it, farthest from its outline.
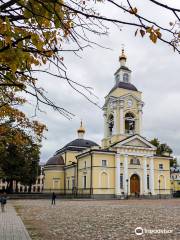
(34, 34)
(19, 162)
(173, 162)
(162, 148)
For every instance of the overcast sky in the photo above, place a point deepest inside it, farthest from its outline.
(155, 72)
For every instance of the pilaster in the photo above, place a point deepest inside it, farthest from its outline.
(117, 174)
(145, 176)
(105, 125)
(125, 173)
(152, 175)
(121, 117)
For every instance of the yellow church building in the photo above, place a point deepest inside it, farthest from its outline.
(125, 163)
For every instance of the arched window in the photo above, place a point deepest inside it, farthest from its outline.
(111, 124)
(125, 77)
(135, 161)
(104, 180)
(148, 182)
(129, 123)
(161, 182)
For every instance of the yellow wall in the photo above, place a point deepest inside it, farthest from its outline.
(121, 91)
(84, 169)
(102, 175)
(70, 176)
(70, 157)
(163, 175)
(54, 179)
(175, 185)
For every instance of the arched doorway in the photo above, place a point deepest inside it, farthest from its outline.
(135, 184)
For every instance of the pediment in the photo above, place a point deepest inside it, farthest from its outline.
(135, 141)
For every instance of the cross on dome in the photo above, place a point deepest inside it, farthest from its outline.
(81, 131)
(122, 58)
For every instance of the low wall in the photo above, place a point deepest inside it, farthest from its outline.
(82, 196)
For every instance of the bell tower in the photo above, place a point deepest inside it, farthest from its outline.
(122, 108)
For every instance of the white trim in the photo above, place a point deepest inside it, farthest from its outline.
(136, 154)
(117, 174)
(126, 176)
(145, 189)
(152, 176)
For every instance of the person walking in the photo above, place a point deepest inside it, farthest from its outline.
(53, 198)
(3, 201)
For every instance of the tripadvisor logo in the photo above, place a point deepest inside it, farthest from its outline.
(139, 231)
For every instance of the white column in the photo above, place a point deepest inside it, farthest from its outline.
(105, 125)
(152, 176)
(118, 119)
(121, 121)
(140, 118)
(145, 176)
(125, 173)
(118, 170)
(115, 121)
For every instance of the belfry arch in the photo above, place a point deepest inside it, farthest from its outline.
(110, 124)
(130, 123)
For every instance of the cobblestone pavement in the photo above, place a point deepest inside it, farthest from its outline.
(91, 220)
(11, 226)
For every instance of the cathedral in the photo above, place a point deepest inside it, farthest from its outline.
(125, 164)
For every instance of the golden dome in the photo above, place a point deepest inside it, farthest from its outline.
(122, 56)
(81, 129)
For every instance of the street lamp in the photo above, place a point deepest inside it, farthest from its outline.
(159, 188)
(127, 187)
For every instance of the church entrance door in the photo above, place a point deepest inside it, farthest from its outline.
(135, 184)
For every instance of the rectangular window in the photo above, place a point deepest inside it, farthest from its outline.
(121, 181)
(73, 183)
(85, 164)
(84, 182)
(68, 184)
(160, 166)
(104, 163)
(148, 186)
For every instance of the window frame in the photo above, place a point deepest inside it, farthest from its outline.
(121, 181)
(148, 182)
(84, 182)
(162, 167)
(104, 160)
(135, 161)
(126, 77)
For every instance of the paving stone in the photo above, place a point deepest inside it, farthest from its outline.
(91, 220)
(11, 225)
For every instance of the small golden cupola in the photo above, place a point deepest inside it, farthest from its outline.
(122, 58)
(81, 131)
